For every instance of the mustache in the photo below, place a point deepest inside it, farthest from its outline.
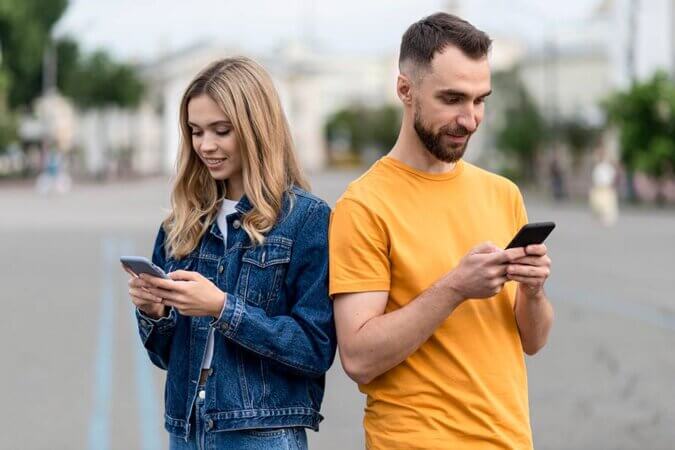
(457, 130)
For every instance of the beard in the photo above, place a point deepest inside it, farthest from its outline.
(448, 153)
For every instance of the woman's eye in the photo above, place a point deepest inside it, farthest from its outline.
(222, 132)
(196, 133)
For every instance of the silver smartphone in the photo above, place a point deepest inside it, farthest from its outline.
(140, 264)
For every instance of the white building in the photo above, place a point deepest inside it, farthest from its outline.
(569, 81)
(584, 63)
(648, 26)
(312, 85)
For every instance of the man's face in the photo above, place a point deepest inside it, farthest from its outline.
(449, 102)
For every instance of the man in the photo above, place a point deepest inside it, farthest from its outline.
(432, 315)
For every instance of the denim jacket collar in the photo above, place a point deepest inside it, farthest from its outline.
(242, 207)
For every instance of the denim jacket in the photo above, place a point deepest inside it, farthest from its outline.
(275, 337)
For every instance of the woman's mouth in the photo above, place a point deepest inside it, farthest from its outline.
(214, 163)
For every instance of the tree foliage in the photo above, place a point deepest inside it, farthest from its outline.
(96, 80)
(363, 126)
(90, 80)
(523, 129)
(24, 34)
(645, 117)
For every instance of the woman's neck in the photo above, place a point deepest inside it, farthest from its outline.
(234, 188)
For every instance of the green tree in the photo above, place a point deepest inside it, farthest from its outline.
(644, 114)
(522, 130)
(7, 124)
(579, 136)
(96, 80)
(364, 126)
(24, 33)
(90, 80)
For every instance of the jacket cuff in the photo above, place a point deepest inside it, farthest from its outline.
(163, 324)
(230, 317)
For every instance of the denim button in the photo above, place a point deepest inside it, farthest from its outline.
(202, 394)
(220, 269)
(236, 224)
(209, 424)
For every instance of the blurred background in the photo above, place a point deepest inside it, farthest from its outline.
(582, 118)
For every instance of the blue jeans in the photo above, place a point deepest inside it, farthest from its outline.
(293, 438)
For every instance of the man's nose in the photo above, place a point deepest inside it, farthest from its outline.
(468, 119)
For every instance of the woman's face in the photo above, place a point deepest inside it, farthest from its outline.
(213, 139)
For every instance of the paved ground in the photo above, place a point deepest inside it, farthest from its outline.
(75, 376)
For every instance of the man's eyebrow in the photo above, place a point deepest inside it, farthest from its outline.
(451, 92)
(455, 93)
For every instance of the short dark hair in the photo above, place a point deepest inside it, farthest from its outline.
(424, 38)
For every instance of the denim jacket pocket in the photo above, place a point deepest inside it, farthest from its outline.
(263, 270)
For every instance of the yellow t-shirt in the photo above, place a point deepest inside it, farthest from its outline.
(398, 229)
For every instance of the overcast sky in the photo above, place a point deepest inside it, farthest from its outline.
(141, 29)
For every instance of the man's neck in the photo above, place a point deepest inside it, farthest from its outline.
(411, 151)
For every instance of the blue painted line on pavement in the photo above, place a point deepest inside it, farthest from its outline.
(647, 314)
(99, 425)
(148, 411)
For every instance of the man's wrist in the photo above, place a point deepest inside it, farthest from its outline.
(449, 285)
(533, 295)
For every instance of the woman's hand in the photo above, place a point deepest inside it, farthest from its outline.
(189, 292)
(143, 299)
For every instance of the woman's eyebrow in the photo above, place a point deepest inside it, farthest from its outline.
(212, 124)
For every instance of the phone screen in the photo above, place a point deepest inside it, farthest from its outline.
(532, 233)
(140, 264)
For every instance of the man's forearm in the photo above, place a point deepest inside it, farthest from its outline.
(385, 341)
(534, 317)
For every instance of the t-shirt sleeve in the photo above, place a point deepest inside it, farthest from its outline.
(359, 250)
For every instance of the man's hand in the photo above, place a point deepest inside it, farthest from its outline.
(482, 272)
(531, 271)
(189, 292)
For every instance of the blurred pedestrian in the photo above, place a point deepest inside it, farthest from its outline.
(54, 176)
(602, 196)
(244, 326)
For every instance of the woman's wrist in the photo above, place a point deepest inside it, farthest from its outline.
(219, 306)
(155, 312)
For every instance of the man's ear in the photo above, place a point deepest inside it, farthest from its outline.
(404, 89)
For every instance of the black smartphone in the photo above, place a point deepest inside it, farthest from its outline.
(531, 233)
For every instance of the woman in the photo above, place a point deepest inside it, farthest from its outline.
(244, 326)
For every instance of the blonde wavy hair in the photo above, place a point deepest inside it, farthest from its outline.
(245, 93)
